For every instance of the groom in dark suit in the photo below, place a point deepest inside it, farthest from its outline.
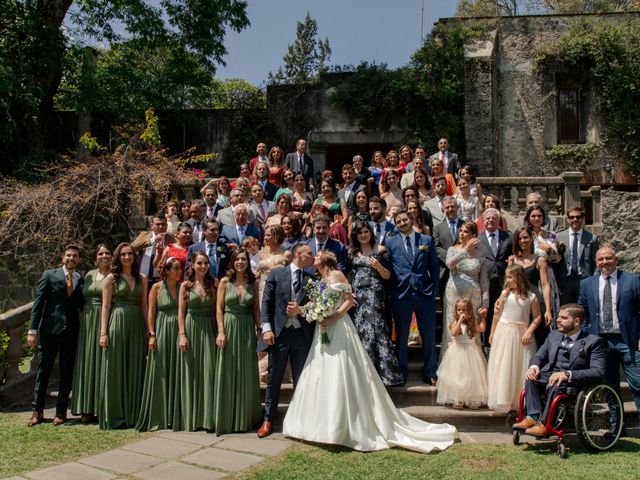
(415, 283)
(568, 356)
(612, 301)
(285, 334)
(54, 330)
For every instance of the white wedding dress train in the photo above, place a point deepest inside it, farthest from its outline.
(341, 400)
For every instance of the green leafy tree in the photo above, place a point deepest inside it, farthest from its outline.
(585, 6)
(488, 8)
(306, 57)
(33, 47)
(236, 93)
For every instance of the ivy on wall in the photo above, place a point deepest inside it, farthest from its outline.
(426, 96)
(611, 52)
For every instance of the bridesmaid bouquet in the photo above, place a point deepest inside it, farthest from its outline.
(325, 303)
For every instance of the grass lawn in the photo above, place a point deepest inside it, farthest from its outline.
(462, 461)
(23, 448)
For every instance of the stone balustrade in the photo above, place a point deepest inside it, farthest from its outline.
(561, 194)
(14, 384)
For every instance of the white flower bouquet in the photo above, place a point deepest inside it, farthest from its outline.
(324, 304)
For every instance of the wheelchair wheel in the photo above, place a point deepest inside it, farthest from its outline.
(516, 437)
(598, 417)
(562, 449)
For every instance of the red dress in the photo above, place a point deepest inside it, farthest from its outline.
(179, 254)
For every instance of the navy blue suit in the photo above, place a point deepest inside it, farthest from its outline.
(222, 256)
(586, 362)
(230, 233)
(414, 288)
(622, 348)
(333, 246)
(389, 228)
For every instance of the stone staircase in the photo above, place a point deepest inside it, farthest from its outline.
(419, 400)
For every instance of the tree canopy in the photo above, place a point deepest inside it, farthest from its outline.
(37, 35)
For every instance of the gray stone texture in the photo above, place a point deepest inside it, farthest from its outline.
(162, 447)
(621, 221)
(222, 459)
(177, 470)
(266, 446)
(121, 461)
(69, 471)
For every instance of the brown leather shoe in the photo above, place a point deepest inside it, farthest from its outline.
(265, 430)
(36, 418)
(86, 418)
(59, 420)
(528, 422)
(538, 430)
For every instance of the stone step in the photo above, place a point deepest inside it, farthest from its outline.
(416, 393)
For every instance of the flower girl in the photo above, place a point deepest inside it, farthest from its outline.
(512, 341)
(462, 376)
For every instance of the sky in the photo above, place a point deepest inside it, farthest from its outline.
(384, 31)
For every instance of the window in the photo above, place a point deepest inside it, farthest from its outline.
(569, 115)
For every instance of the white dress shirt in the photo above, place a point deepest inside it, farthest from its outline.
(614, 289)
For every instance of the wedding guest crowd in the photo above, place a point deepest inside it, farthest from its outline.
(164, 331)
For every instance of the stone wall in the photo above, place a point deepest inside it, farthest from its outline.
(621, 217)
(507, 95)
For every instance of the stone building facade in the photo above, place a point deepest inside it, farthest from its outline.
(515, 111)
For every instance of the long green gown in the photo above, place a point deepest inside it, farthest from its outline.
(159, 390)
(196, 368)
(237, 398)
(86, 376)
(123, 362)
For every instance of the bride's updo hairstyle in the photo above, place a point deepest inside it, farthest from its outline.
(328, 259)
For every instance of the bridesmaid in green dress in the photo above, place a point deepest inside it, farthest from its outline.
(122, 338)
(89, 356)
(160, 377)
(194, 407)
(237, 395)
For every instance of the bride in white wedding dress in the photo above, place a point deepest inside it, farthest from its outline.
(340, 399)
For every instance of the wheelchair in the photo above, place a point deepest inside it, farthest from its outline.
(597, 414)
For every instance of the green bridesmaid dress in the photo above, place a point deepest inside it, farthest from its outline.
(160, 377)
(123, 362)
(196, 368)
(86, 376)
(237, 394)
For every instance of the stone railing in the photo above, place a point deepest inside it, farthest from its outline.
(16, 384)
(561, 194)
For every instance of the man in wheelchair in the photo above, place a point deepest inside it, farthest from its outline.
(569, 357)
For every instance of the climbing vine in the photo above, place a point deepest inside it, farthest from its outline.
(611, 52)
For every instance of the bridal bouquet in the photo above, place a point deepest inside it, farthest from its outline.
(325, 303)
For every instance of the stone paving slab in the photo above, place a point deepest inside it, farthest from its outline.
(177, 470)
(486, 437)
(69, 471)
(222, 459)
(199, 438)
(121, 461)
(266, 447)
(162, 447)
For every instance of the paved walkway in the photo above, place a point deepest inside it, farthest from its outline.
(188, 456)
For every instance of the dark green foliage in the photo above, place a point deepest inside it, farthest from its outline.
(611, 52)
(426, 96)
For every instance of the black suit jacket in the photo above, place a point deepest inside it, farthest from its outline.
(269, 190)
(498, 262)
(587, 360)
(277, 293)
(333, 246)
(53, 310)
(443, 241)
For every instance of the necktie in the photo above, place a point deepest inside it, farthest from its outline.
(607, 305)
(320, 247)
(452, 229)
(69, 284)
(213, 264)
(407, 242)
(151, 260)
(297, 284)
(263, 214)
(300, 164)
(241, 233)
(494, 243)
(378, 230)
(574, 254)
(210, 213)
